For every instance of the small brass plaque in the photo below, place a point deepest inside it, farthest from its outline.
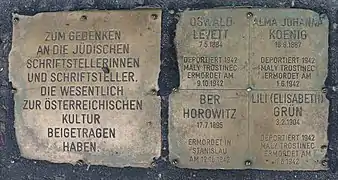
(289, 49)
(209, 129)
(212, 48)
(288, 129)
(281, 108)
(86, 86)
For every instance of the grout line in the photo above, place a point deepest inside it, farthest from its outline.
(249, 86)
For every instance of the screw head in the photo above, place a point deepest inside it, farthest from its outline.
(323, 147)
(83, 18)
(324, 90)
(249, 89)
(324, 163)
(249, 15)
(14, 90)
(175, 90)
(80, 162)
(175, 162)
(247, 163)
(153, 91)
(16, 19)
(154, 16)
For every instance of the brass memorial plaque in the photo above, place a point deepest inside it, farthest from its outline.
(289, 49)
(201, 39)
(277, 90)
(288, 129)
(209, 129)
(86, 85)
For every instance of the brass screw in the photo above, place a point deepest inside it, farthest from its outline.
(153, 91)
(154, 16)
(80, 162)
(324, 90)
(83, 18)
(324, 163)
(14, 90)
(175, 162)
(249, 15)
(177, 16)
(247, 163)
(16, 19)
(323, 147)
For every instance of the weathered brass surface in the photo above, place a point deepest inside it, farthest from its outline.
(86, 86)
(281, 72)
(289, 49)
(212, 48)
(288, 133)
(209, 129)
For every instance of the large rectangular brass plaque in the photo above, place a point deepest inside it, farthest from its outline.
(281, 107)
(86, 86)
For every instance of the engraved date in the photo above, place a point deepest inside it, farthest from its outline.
(287, 122)
(210, 44)
(288, 44)
(210, 83)
(209, 124)
(288, 83)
